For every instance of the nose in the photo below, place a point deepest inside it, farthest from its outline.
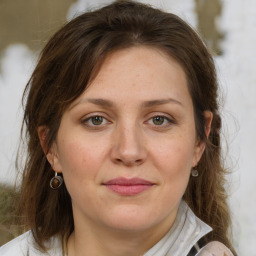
(128, 148)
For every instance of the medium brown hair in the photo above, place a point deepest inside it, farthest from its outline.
(70, 60)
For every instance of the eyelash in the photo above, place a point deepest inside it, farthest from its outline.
(88, 121)
(166, 121)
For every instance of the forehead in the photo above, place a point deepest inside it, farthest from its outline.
(138, 73)
(138, 65)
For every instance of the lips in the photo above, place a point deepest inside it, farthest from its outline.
(128, 187)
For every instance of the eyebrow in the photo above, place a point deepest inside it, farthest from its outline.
(145, 104)
(151, 103)
(99, 102)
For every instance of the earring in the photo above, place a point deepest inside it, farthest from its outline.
(56, 181)
(194, 173)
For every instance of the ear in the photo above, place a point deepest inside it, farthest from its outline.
(208, 122)
(200, 145)
(50, 153)
(42, 135)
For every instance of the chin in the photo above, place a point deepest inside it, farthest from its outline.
(131, 220)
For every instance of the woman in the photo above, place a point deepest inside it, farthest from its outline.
(123, 137)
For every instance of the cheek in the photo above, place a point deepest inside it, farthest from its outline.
(177, 166)
(80, 168)
(174, 159)
(80, 162)
(176, 170)
(176, 153)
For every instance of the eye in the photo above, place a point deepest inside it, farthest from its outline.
(160, 120)
(95, 121)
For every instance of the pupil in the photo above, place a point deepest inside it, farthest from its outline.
(158, 120)
(96, 120)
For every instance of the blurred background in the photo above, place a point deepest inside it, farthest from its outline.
(229, 29)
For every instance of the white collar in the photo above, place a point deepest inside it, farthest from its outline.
(184, 233)
(186, 230)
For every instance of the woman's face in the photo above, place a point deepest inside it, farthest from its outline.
(126, 146)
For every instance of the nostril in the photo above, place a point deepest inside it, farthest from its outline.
(128, 151)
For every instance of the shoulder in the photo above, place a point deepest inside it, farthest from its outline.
(215, 248)
(24, 245)
(17, 246)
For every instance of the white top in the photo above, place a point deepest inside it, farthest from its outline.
(24, 245)
(185, 232)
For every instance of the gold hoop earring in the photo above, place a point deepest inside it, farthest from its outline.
(56, 181)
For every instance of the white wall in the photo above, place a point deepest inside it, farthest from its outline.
(237, 75)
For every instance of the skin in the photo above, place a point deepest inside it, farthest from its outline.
(146, 129)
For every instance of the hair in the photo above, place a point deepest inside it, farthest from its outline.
(67, 64)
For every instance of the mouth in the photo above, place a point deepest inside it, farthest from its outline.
(128, 187)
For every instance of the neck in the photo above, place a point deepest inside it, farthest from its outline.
(100, 241)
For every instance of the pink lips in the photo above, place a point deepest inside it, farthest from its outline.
(128, 187)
